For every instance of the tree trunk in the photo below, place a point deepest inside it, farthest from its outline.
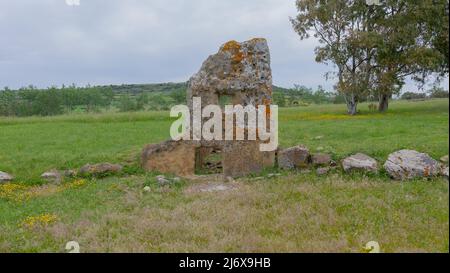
(383, 103)
(352, 104)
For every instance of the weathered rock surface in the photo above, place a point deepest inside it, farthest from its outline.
(321, 159)
(294, 157)
(69, 173)
(175, 157)
(100, 169)
(444, 159)
(360, 162)
(444, 172)
(323, 171)
(5, 177)
(241, 72)
(52, 176)
(408, 164)
(237, 69)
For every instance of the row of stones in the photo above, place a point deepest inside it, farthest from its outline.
(400, 165)
(87, 170)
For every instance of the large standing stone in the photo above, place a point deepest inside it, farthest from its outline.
(240, 73)
(294, 157)
(360, 162)
(5, 177)
(100, 169)
(408, 164)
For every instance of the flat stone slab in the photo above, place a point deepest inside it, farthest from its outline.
(211, 187)
(360, 162)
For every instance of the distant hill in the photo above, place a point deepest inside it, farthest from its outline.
(159, 88)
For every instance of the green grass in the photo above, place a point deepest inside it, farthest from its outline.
(294, 212)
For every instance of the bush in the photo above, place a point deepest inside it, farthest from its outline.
(413, 96)
(438, 93)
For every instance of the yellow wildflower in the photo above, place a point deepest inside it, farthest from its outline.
(39, 220)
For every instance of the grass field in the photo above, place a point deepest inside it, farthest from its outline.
(292, 213)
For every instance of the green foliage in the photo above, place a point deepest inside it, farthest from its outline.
(438, 92)
(374, 48)
(52, 101)
(413, 96)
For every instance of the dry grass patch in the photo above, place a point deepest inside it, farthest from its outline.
(297, 213)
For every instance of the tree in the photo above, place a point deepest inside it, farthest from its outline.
(375, 48)
(342, 28)
(410, 44)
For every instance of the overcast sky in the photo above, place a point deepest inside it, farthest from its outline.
(48, 42)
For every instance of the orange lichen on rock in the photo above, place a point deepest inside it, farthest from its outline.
(234, 48)
(231, 46)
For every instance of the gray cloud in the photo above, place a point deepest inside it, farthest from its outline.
(46, 42)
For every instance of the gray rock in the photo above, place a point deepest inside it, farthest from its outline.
(360, 162)
(323, 171)
(321, 159)
(294, 157)
(162, 180)
(408, 164)
(52, 176)
(100, 169)
(5, 177)
(69, 173)
(444, 172)
(444, 159)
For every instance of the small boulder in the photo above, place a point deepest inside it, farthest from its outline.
(321, 159)
(147, 189)
(162, 180)
(444, 159)
(408, 164)
(5, 177)
(295, 157)
(323, 171)
(100, 169)
(69, 173)
(53, 176)
(360, 162)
